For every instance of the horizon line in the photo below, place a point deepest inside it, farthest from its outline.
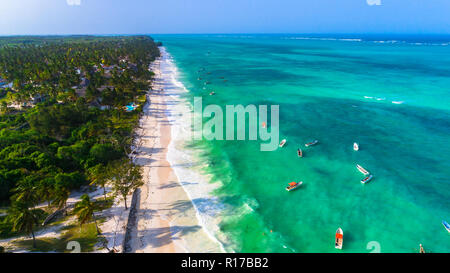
(234, 33)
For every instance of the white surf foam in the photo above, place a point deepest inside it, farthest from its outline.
(383, 99)
(183, 160)
(325, 39)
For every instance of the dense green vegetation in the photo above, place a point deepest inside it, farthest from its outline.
(63, 122)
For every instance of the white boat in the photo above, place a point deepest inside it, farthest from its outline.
(299, 153)
(361, 169)
(339, 239)
(293, 185)
(311, 143)
(282, 143)
(355, 146)
(366, 179)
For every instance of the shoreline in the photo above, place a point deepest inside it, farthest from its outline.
(185, 162)
(167, 218)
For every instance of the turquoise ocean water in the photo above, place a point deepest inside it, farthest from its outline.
(390, 95)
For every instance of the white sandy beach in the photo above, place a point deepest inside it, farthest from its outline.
(167, 220)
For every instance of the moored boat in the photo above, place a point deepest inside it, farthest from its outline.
(339, 241)
(421, 249)
(446, 225)
(311, 143)
(362, 170)
(282, 143)
(293, 185)
(299, 153)
(355, 146)
(366, 179)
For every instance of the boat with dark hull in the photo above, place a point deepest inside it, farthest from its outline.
(367, 179)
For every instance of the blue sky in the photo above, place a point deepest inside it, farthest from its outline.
(223, 16)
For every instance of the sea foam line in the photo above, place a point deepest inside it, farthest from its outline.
(369, 41)
(383, 99)
(182, 161)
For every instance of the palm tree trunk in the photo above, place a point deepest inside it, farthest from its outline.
(125, 200)
(34, 238)
(104, 192)
(96, 226)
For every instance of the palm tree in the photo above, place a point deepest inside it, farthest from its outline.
(60, 196)
(99, 176)
(3, 107)
(126, 177)
(85, 211)
(61, 191)
(24, 219)
(45, 190)
(26, 192)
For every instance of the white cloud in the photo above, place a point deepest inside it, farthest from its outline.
(78, 2)
(374, 2)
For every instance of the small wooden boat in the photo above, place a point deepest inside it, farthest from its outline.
(355, 146)
(421, 248)
(282, 143)
(311, 143)
(366, 179)
(299, 153)
(339, 239)
(361, 169)
(446, 225)
(293, 185)
(212, 93)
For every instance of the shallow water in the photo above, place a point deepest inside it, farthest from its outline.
(390, 97)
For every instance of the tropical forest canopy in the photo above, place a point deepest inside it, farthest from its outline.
(64, 114)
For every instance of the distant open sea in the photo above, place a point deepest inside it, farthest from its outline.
(389, 94)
